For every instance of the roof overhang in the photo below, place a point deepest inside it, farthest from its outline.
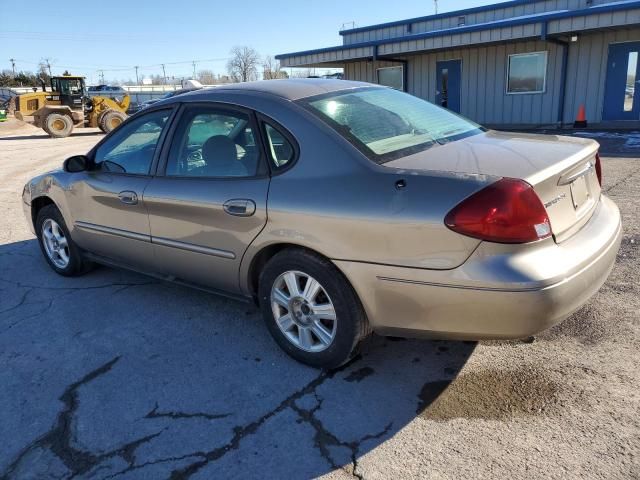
(556, 23)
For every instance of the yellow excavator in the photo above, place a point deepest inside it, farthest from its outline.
(67, 105)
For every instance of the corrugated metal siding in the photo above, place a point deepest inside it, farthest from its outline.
(516, 32)
(484, 97)
(623, 18)
(470, 19)
(603, 20)
(327, 58)
(587, 71)
(484, 70)
(365, 71)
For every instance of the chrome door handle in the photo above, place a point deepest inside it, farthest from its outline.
(128, 197)
(240, 207)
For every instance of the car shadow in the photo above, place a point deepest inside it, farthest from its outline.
(115, 373)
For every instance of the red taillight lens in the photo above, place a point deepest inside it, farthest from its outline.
(507, 211)
(599, 169)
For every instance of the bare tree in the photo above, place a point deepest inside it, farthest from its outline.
(271, 69)
(242, 66)
(302, 73)
(157, 79)
(206, 77)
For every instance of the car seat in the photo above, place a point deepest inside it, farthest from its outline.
(220, 157)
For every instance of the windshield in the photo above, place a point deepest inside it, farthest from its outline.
(67, 86)
(386, 124)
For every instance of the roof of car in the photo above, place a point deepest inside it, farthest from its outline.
(290, 89)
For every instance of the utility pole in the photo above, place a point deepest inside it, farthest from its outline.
(436, 4)
(101, 76)
(13, 66)
(194, 69)
(164, 74)
(137, 81)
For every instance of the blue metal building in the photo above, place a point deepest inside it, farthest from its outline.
(521, 62)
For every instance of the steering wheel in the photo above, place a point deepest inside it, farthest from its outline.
(194, 154)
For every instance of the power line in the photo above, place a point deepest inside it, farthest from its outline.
(122, 68)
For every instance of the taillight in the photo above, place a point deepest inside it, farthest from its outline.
(599, 169)
(507, 211)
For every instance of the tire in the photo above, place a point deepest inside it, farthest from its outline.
(339, 338)
(110, 120)
(48, 220)
(58, 125)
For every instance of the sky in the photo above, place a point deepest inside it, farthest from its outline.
(85, 37)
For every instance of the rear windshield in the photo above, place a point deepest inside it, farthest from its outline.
(386, 124)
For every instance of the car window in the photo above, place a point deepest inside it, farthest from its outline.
(211, 142)
(280, 149)
(131, 148)
(386, 124)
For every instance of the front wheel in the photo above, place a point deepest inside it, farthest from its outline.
(58, 125)
(310, 309)
(110, 120)
(57, 246)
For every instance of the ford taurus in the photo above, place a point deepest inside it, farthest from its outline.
(341, 208)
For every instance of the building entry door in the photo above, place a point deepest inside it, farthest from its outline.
(448, 82)
(621, 97)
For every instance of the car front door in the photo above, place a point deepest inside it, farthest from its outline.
(209, 200)
(110, 217)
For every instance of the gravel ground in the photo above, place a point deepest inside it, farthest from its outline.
(115, 375)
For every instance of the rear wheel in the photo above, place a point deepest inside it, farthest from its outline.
(110, 120)
(58, 125)
(310, 309)
(58, 248)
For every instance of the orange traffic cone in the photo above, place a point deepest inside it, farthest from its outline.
(581, 119)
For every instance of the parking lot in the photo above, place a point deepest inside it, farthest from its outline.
(116, 375)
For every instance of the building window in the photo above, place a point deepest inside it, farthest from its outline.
(391, 77)
(461, 21)
(527, 72)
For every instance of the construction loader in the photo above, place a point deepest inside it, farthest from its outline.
(67, 106)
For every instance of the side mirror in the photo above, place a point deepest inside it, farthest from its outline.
(77, 163)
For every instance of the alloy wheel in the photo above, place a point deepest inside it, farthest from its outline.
(303, 311)
(55, 243)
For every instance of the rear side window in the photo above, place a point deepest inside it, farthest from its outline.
(280, 149)
(213, 142)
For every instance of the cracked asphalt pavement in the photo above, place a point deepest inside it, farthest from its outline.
(116, 375)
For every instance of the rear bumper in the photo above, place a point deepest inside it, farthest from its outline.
(501, 291)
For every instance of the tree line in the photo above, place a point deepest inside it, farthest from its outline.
(244, 65)
(23, 78)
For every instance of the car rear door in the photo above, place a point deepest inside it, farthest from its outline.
(106, 202)
(209, 199)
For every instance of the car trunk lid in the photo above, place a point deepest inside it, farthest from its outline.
(560, 169)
